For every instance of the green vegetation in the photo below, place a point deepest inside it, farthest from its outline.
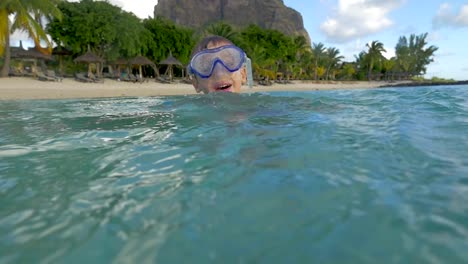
(433, 80)
(112, 33)
(27, 15)
(166, 38)
(99, 26)
(412, 56)
(374, 55)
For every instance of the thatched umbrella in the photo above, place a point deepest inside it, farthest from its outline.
(118, 63)
(32, 54)
(17, 52)
(61, 51)
(141, 61)
(170, 61)
(89, 57)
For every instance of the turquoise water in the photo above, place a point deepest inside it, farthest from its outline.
(352, 176)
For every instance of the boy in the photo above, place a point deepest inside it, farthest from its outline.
(217, 65)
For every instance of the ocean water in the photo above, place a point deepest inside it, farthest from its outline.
(346, 176)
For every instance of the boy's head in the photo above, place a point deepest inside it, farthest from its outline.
(217, 65)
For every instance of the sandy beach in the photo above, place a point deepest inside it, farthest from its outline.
(15, 88)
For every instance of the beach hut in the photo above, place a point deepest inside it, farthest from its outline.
(30, 54)
(170, 61)
(141, 61)
(61, 52)
(116, 67)
(89, 57)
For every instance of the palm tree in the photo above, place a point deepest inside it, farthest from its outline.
(420, 57)
(318, 50)
(222, 29)
(302, 48)
(374, 54)
(26, 14)
(304, 64)
(333, 59)
(389, 67)
(257, 54)
(348, 70)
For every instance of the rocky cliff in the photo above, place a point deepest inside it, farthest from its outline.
(268, 14)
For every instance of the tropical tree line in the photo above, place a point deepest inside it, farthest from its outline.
(112, 33)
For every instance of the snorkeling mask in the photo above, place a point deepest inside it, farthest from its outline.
(231, 57)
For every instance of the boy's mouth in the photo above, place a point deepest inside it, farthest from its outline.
(224, 87)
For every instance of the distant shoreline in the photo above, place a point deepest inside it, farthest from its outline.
(25, 88)
(423, 83)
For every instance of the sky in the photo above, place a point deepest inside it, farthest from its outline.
(350, 24)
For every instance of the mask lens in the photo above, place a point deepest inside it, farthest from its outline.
(231, 57)
(203, 63)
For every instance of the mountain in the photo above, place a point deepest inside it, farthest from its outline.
(267, 14)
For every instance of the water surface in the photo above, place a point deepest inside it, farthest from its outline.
(351, 176)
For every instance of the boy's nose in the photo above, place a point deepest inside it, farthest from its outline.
(219, 69)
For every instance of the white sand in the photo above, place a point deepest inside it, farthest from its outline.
(29, 88)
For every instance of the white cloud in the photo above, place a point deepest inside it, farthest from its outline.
(18, 36)
(358, 18)
(352, 48)
(389, 53)
(142, 9)
(446, 17)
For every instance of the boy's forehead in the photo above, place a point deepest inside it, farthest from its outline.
(217, 44)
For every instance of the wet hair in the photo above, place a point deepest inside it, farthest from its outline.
(215, 40)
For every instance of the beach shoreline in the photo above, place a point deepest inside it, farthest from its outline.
(24, 88)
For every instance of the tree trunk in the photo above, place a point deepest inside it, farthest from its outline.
(371, 65)
(315, 72)
(328, 72)
(156, 71)
(6, 55)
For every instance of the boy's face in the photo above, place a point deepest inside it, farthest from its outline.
(221, 80)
